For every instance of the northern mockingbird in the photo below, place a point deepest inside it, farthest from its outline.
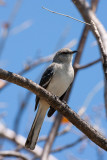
(56, 79)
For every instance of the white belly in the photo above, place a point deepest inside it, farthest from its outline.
(61, 81)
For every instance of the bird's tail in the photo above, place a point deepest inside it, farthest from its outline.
(36, 126)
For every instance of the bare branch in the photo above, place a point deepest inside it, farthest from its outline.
(94, 4)
(69, 145)
(53, 101)
(8, 25)
(51, 137)
(20, 111)
(97, 34)
(104, 54)
(13, 154)
(99, 31)
(65, 15)
(20, 141)
(2, 3)
(87, 65)
(105, 96)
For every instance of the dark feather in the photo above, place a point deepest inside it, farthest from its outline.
(45, 80)
(52, 110)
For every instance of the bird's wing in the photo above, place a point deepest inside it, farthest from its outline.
(52, 110)
(45, 80)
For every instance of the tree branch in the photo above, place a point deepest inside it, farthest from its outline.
(8, 25)
(20, 111)
(87, 65)
(65, 15)
(68, 145)
(20, 141)
(51, 137)
(54, 101)
(13, 154)
(99, 31)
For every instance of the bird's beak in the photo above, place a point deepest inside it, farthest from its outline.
(74, 52)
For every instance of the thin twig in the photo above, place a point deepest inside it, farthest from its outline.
(87, 65)
(65, 16)
(8, 25)
(29, 68)
(13, 154)
(69, 145)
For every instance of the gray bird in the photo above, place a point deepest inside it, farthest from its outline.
(56, 79)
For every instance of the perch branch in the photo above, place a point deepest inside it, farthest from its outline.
(54, 101)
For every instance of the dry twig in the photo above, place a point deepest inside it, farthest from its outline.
(7, 25)
(87, 65)
(13, 154)
(69, 145)
(65, 15)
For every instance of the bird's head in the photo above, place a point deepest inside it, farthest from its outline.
(64, 56)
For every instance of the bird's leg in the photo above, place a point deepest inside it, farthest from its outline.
(63, 101)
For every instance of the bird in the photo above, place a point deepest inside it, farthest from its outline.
(56, 79)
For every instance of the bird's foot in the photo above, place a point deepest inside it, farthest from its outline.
(64, 101)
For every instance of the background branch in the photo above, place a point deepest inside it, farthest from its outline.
(99, 31)
(51, 137)
(20, 141)
(13, 154)
(69, 145)
(87, 65)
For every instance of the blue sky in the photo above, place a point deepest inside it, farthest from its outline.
(41, 35)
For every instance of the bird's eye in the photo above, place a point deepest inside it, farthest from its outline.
(64, 53)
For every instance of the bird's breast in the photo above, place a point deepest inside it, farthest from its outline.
(61, 80)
